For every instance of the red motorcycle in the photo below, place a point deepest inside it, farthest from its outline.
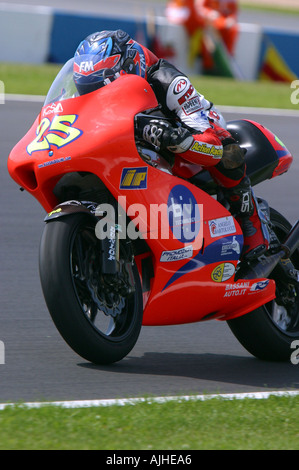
(126, 243)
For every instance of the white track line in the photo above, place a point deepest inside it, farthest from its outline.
(225, 109)
(135, 401)
(25, 98)
(260, 111)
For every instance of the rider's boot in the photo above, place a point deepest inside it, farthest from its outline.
(245, 208)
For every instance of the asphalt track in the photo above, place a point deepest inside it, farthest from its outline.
(198, 358)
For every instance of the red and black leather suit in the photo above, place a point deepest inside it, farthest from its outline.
(205, 143)
(195, 138)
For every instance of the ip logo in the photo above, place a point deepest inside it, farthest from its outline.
(2, 353)
(134, 178)
(2, 92)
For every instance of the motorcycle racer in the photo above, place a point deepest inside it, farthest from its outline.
(200, 138)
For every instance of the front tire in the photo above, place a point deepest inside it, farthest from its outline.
(98, 315)
(272, 331)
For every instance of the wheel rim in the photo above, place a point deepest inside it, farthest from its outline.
(283, 318)
(284, 312)
(104, 299)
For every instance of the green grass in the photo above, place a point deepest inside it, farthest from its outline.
(246, 5)
(212, 424)
(36, 80)
(28, 79)
(279, 9)
(225, 91)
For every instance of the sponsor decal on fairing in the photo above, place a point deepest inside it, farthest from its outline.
(177, 255)
(134, 178)
(231, 246)
(236, 289)
(58, 132)
(260, 285)
(222, 226)
(53, 108)
(184, 214)
(223, 272)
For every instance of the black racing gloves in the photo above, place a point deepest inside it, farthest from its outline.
(163, 136)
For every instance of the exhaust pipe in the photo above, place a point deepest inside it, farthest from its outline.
(292, 241)
(262, 268)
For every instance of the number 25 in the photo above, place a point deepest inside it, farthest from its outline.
(50, 133)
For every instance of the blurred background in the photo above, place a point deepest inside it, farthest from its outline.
(245, 40)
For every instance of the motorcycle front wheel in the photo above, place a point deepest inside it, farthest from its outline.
(271, 332)
(98, 315)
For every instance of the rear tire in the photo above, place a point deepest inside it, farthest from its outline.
(94, 313)
(270, 332)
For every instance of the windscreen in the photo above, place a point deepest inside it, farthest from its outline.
(63, 86)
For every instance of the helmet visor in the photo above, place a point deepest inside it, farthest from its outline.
(92, 72)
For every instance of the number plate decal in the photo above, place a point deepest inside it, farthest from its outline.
(59, 132)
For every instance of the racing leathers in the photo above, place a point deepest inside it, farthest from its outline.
(201, 140)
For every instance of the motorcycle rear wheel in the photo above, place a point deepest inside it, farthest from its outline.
(99, 321)
(271, 332)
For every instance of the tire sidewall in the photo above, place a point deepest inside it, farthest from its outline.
(63, 302)
(256, 330)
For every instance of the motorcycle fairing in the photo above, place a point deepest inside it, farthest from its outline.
(183, 290)
(265, 147)
(266, 155)
(212, 254)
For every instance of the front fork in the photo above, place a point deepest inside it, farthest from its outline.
(117, 268)
(118, 271)
(110, 261)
